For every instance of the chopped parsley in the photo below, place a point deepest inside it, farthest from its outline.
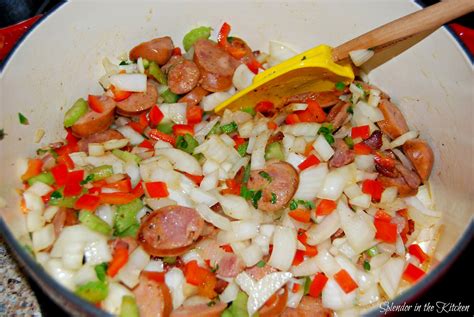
(214, 269)
(249, 110)
(229, 128)
(274, 198)
(261, 263)
(246, 193)
(340, 86)
(242, 148)
(256, 198)
(326, 130)
(56, 195)
(350, 110)
(306, 203)
(293, 204)
(266, 176)
(88, 179)
(23, 119)
(123, 63)
(366, 265)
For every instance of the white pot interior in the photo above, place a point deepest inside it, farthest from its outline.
(60, 60)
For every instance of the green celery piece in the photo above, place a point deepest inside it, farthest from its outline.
(95, 291)
(44, 177)
(202, 32)
(66, 202)
(101, 172)
(94, 223)
(169, 259)
(238, 308)
(186, 143)
(165, 127)
(125, 220)
(246, 174)
(101, 271)
(155, 71)
(146, 63)
(242, 148)
(169, 97)
(249, 110)
(129, 307)
(349, 142)
(229, 127)
(373, 251)
(78, 109)
(216, 129)
(274, 151)
(126, 156)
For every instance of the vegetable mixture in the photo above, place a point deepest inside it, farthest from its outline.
(153, 205)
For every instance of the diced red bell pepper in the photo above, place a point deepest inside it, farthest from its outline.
(237, 52)
(362, 149)
(158, 135)
(385, 230)
(34, 168)
(373, 187)
(311, 250)
(136, 126)
(272, 125)
(296, 288)
(325, 207)
(406, 228)
(227, 248)
(416, 251)
(194, 114)
(233, 187)
(195, 274)
(292, 118)
(311, 160)
(317, 285)
(238, 141)
(87, 202)
(122, 186)
(412, 273)
(157, 189)
(60, 173)
(197, 179)
(265, 107)
(313, 113)
(65, 159)
(299, 257)
(302, 236)
(182, 129)
(301, 215)
(75, 176)
(72, 189)
(116, 198)
(254, 66)
(176, 51)
(146, 144)
(143, 120)
(345, 281)
(155, 115)
(95, 103)
(119, 259)
(158, 277)
(360, 132)
(120, 95)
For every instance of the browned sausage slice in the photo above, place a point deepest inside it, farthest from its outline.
(257, 273)
(398, 182)
(421, 156)
(138, 102)
(215, 82)
(213, 59)
(201, 310)
(343, 155)
(99, 137)
(194, 96)
(229, 265)
(324, 98)
(338, 114)
(157, 50)
(394, 123)
(308, 307)
(170, 231)
(94, 122)
(375, 140)
(153, 298)
(183, 77)
(277, 178)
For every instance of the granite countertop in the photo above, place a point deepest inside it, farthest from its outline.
(16, 296)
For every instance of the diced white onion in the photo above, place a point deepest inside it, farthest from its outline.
(96, 149)
(33, 202)
(73, 255)
(39, 189)
(129, 82)
(410, 135)
(181, 160)
(61, 274)
(279, 52)
(335, 181)
(114, 144)
(229, 293)
(211, 101)
(251, 255)
(365, 162)
(389, 195)
(205, 129)
(50, 212)
(97, 252)
(301, 129)
(317, 233)
(362, 201)
(360, 233)
(352, 191)
(155, 265)
(113, 302)
(43, 238)
(333, 297)
(235, 206)
(175, 112)
(137, 261)
(390, 275)
(359, 57)
(311, 181)
(323, 148)
(106, 213)
(214, 218)
(284, 248)
(326, 262)
(175, 280)
(34, 220)
(72, 234)
(306, 268)
(243, 77)
(257, 160)
(133, 136)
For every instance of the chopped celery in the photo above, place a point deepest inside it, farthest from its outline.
(66, 202)
(372, 251)
(216, 129)
(101, 271)
(238, 308)
(146, 63)
(126, 156)
(261, 263)
(229, 127)
(246, 174)
(165, 127)
(129, 307)
(202, 32)
(349, 142)
(94, 223)
(274, 151)
(157, 73)
(169, 259)
(242, 148)
(44, 177)
(101, 172)
(249, 110)
(169, 97)
(125, 220)
(78, 109)
(95, 291)
(186, 143)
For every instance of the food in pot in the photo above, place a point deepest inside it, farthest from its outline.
(153, 205)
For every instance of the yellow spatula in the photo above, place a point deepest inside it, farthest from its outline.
(319, 68)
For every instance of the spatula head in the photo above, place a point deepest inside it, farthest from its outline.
(313, 70)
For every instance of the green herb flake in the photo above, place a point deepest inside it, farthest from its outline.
(216, 129)
(246, 193)
(249, 110)
(56, 195)
(367, 266)
(350, 110)
(261, 263)
(89, 178)
(211, 303)
(256, 198)
(2, 134)
(214, 269)
(349, 142)
(293, 204)
(326, 130)
(340, 86)
(124, 63)
(229, 128)
(274, 198)
(307, 203)
(23, 119)
(265, 176)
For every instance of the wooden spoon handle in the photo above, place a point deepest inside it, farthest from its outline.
(386, 35)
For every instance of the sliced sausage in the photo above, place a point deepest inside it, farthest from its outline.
(338, 114)
(411, 178)
(324, 98)
(174, 60)
(195, 96)
(64, 217)
(229, 265)
(276, 306)
(157, 50)
(183, 77)
(170, 231)
(421, 156)
(343, 155)
(398, 182)
(201, 310)
(375, 140)
(394, 123)
(257, 273)
(241, 45)
(213, 59)
(99, 137)
(215, 82)
(138, 102)
(282, 183)
(94, 122)
(308, 307)
(153, 298)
